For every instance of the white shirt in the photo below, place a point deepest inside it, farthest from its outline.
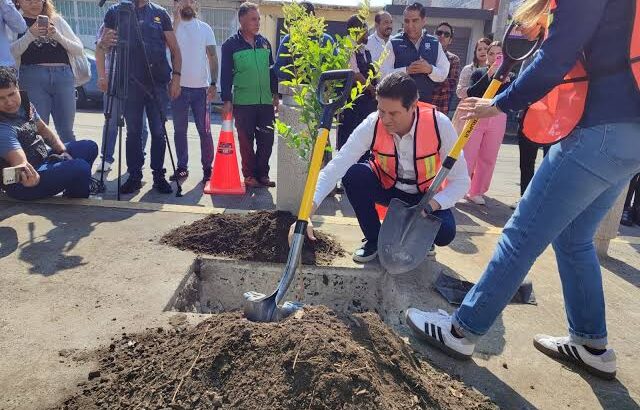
(359, 142)
(193, 38)
(375, 45)
(440, 69)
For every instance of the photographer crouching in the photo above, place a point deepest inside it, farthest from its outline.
(42, 164)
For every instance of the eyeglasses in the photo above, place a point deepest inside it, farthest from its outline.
(441, 33)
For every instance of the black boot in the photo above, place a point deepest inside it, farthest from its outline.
(160, 184)
(131, 185)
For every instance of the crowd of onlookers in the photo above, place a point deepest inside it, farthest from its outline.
(48, 60)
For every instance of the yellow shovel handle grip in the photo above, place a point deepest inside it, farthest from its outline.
(491, 92)
(312, 177)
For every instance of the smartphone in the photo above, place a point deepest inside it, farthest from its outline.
(42, 21)
(11, 175)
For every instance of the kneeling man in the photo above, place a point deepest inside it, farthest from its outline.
(408, 140)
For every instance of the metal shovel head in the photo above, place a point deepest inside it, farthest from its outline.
(405, 237)
(261, 308)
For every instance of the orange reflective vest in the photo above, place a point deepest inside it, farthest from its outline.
(426, 152)
(553, 118)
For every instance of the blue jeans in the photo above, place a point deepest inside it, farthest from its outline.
(364, 190)
(577, 184)
(137, 102)
(112, 137)
(71, 177)
(196, 98)
(52, 91)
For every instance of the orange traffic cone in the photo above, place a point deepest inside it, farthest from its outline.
(225, 178)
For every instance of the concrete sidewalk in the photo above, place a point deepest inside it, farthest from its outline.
(505, 188)
(75, 276)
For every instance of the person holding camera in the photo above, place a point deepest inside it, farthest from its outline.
(32, 155)
(46, 55)
(152, 82)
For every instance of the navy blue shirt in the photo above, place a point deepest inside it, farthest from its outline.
(154, 21)
(602, 30)
(284, 60)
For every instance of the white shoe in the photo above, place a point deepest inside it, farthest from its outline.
(107, 166)
(435, 329)
(602, 365)
(477, 199)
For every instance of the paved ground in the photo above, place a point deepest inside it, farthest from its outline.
(76, 274)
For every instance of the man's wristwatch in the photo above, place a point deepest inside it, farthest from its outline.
(212, 84)
(178, 73)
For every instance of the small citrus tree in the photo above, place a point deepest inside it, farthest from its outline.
(309, 59)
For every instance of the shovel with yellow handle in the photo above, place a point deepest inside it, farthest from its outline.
(407, 233)
(257, 306)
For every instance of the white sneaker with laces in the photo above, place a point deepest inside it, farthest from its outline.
(435, 329)
(107, 166)
(602, 365)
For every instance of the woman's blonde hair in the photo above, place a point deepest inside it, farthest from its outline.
(48, 9)
(529, 13)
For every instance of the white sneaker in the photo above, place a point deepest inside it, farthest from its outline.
(107, 166)
(602, 365)
(477, 199)
(435, 329)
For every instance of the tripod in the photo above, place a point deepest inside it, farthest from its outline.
(118, 80)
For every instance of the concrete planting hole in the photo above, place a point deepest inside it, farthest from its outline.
(217, 286)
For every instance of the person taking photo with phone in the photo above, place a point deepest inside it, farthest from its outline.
(482, 149)
(46, 54)
(47, 165)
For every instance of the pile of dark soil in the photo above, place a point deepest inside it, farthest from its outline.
(257, 236)
(313, 360)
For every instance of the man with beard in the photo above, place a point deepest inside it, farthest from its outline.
(378, 40)
(198, 86)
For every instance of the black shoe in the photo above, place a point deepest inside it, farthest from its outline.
(161, 185)
(96, 187)
(131, 185)
(627, 217)
(636, 213)
(366, 253)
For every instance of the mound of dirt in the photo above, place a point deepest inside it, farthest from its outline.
(257, 236)
(313, 360)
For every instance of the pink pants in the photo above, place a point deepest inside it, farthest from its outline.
(481, 152)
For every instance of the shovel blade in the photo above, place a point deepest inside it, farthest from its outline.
(405, 237)
(261, 308)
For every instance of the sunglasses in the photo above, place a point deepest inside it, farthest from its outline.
(441, 33)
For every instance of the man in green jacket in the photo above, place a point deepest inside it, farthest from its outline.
(249, 89)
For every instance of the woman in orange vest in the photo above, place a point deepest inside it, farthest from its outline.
(577, 183)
